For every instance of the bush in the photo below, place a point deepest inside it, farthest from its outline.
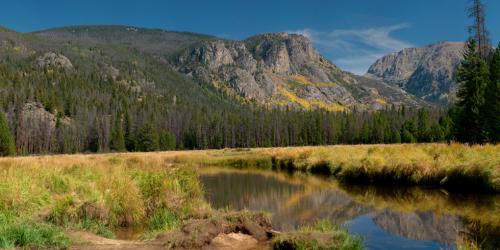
(31, 234)
(163, 219)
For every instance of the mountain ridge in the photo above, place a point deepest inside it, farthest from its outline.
(273, 69)
(284, 69)
(427, 72)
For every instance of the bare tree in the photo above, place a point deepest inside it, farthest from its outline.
(478, 30)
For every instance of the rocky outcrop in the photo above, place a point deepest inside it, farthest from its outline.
(282, 69)
(37, 127)
(51, 59)
(427, 72)
(110, 71)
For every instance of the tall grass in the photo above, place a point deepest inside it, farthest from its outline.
(322, 235)
(44, 196)
(454, 166)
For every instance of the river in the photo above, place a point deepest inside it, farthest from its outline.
(389, 217)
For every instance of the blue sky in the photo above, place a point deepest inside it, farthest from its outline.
(352, 33)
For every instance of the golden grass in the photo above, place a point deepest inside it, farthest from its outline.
(99, 193)
(433, 164)
(418, 163)
(95, 192)
(472, 167)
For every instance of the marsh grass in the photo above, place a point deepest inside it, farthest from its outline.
(42, 197)
(322, 235)
(16, 232)
(455, 167)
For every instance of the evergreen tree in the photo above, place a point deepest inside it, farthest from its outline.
(491, 109)
(407, 136)
(117, 142)
(423, 126)
(436, 133)
(396, 137)
(93, 145)
(473, 77)
(408, 132)
(446, 125)
(167, 141)
(147, 138)
(7, 146)
(478, 30)
(130, 143)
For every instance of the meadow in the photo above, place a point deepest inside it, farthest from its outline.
(45, 199)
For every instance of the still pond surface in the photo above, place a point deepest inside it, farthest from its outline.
(385, 217)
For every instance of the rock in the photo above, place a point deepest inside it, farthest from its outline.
(232, 241)
(205, 230)
(214, 231)
(427, 72)
(283, 69)
(38, 124)
(110, 71)
(51, 59)
(255, 230)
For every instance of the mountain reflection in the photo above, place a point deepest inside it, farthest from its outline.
(297, 200)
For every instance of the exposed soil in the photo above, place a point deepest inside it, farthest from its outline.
(87, 241)
(217, 232)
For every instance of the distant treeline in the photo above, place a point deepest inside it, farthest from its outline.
(152, 107)
(68, 111)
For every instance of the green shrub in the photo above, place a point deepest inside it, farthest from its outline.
(163, 220)
(322, 235)
(32, 235)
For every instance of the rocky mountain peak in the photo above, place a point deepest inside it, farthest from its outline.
(285, 53)
(427, 72)
(281, 69)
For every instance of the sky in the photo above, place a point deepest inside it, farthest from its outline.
(351, 33)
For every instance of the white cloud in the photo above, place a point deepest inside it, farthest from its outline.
(356, 49)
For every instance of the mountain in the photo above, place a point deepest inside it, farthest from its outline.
(428, 72)
(277, 69)
(281, 69)
(154, 41)
(76, 89)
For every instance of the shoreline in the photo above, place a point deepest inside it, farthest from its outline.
(49, 196)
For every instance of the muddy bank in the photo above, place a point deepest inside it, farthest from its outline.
(219, 230)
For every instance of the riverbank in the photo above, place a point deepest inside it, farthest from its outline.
(456, 167)
(86, 201)
(46, 199)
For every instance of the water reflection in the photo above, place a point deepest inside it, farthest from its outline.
(387, 217)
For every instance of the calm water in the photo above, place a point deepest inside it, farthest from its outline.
(386, 218)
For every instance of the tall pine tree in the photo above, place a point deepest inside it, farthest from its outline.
(473, 77)
(7, 146)
(491, 107)
(478, 30)
(147, 138)
(117, 142)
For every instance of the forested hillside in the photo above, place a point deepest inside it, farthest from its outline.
(84, 89)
